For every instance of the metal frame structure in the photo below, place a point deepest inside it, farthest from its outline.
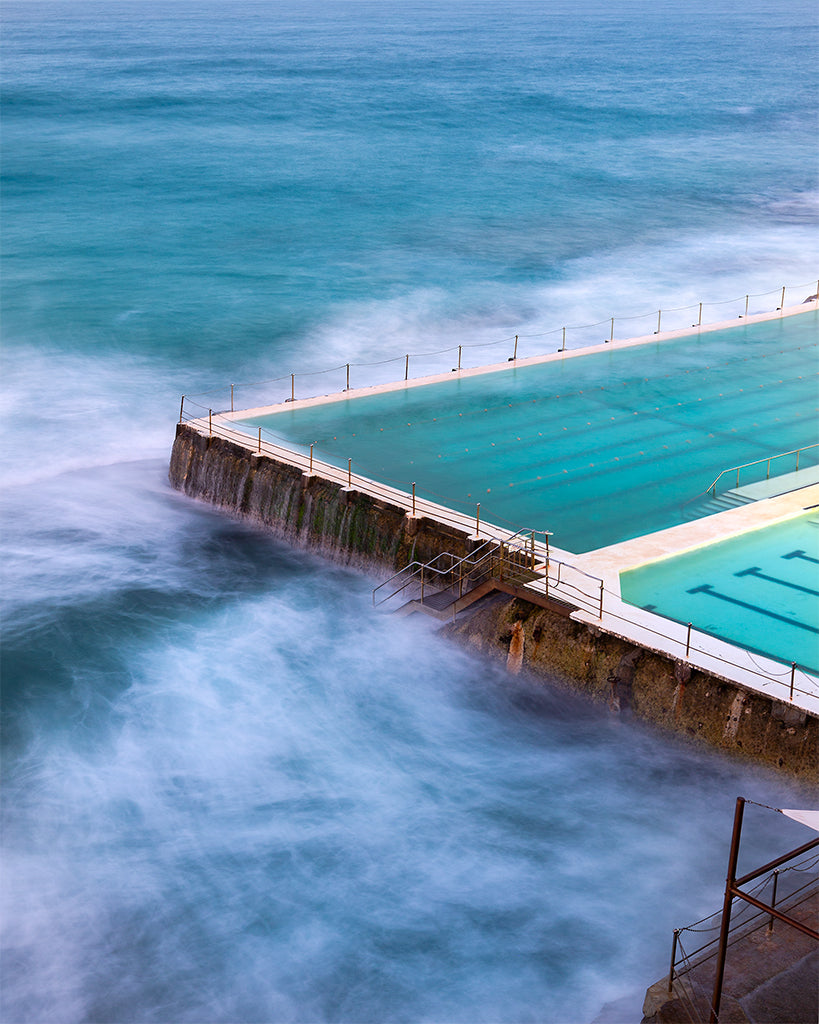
(733, 889)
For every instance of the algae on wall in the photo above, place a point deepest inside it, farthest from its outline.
(308, 511)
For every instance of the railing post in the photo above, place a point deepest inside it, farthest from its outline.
(699, 318)
(673, 961)
(413, 497)
(181, 408)
(688, 641)
(798, 450)
(563, 348)
(773, 898)
(659, 319)
(611, 336)
(601, 599)
(406, 368)
(532, 539)
(311, 458)
(768, 471)
(793, 673)
(730, 883)
(478, 520)
(746, 305)
(292, 387)
(210, 423)
(459, 356)
(348, 377)
(349, 472)
(260, 440)
(782, 300)
(231, 398)
(515, 352)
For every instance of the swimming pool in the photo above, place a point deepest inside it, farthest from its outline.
(596, 448)
(758, 590)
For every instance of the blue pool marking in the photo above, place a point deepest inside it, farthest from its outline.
(803, 556)
(707, 588)
(759, 574)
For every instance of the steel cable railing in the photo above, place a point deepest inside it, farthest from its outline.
(745, 920)
(515, 340)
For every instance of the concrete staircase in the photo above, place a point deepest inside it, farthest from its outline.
(717, 503)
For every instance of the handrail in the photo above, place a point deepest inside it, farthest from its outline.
(522, 543)
(712, 488)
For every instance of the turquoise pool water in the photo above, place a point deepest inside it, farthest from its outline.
(760, 590)
(596, 448)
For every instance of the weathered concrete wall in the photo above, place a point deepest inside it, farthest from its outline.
(357, 529)
(644, 684)
(309, 512)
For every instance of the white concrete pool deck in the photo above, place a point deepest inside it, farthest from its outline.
(701, 650)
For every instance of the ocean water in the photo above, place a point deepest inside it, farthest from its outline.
(231, 791)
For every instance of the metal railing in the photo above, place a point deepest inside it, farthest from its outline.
(513, 559)
(712, 489)
(687, 976)
(341, 378)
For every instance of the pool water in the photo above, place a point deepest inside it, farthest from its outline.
(759, 590)
(597, 448)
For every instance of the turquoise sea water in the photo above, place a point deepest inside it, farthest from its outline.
(230, 792)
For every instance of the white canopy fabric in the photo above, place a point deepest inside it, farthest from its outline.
(809, 818)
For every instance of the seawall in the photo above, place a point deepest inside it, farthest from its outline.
(368, 532)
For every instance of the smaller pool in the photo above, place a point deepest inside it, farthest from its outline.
(759, 590)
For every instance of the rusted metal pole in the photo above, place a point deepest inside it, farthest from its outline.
(782, 300)
(773, 898)
(182, 409)
(260, 440)
(406, 368)
(673, 961)
(311, 459)
(688, 641)
(730, 883)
